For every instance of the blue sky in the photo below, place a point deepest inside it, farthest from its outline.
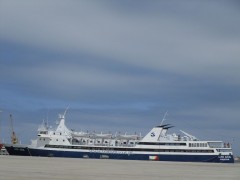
(120, 65)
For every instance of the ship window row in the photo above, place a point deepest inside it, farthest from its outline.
(163, 144)
(128, 149)
(43, 139)
(43, 132)
(224, 150)
(198, 145)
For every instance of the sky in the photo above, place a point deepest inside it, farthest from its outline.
(120, 65)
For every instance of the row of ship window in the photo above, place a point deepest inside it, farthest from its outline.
(45, 139)
(164, 144)
(175, 144)
(106, 142)
(128, 149)
(45, 132)
(198, 145)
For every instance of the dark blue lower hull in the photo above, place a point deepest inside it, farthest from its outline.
(21, 150)
(132, 156)
(17, 150)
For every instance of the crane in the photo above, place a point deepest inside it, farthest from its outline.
(1, 145)
(14, 138)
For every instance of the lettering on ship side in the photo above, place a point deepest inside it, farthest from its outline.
(224, 158)
(19, 149)
(111, 152)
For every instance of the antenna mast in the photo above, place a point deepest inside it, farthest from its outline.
(65, 111)
(164, 117)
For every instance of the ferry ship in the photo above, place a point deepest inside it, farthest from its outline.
(156, 145)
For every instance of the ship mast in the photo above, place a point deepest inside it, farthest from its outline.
(164, 118)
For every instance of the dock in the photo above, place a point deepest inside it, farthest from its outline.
(39, 168)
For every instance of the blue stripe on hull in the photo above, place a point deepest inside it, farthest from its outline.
(180, 158)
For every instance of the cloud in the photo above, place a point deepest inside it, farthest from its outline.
(155, 39)
(123, 63)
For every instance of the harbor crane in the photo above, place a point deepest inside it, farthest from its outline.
(14, 138)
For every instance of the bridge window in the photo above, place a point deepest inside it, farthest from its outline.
(215, 144)
(43, 132)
